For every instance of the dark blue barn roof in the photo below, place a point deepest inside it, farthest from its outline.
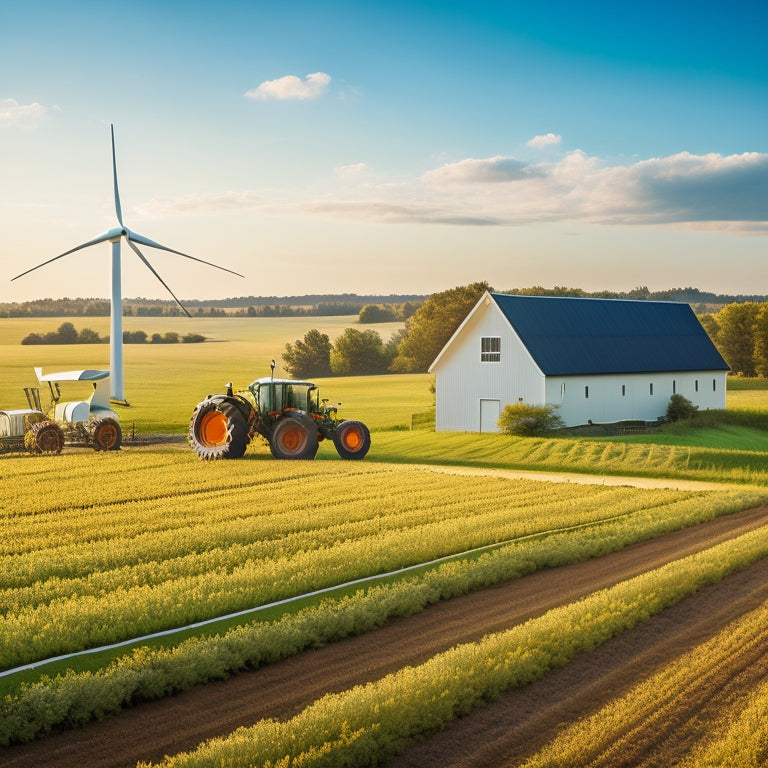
(570, 336)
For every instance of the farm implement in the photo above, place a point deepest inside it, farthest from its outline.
(89, 422)
(288, 414)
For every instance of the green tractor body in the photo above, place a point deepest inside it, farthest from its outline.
(288, 414)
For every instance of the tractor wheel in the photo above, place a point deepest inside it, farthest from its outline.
(218, 431)
(294, 437)
(352, 439)
(44, 437)
(107, 435)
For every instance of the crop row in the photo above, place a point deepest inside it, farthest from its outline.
(90, 574)
(368, 724)
(70, 699)
(605, 737)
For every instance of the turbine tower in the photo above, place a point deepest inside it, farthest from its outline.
(115, 236)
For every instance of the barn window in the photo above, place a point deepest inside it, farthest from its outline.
(714, 385)
(623, 390)
(586, 391)
(651, 387)
(674, 386)
(490, 349)
(696, 385)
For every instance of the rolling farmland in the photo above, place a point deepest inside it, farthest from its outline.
(547, 615)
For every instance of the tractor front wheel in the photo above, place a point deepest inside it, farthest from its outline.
(352, 439)
(294, 437)
(218, 431)
(44, 437)
(107, 435)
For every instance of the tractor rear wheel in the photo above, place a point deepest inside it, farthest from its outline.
(107, 435)
(352, 439)
(44, 437)
(218, 431)
(294, 437)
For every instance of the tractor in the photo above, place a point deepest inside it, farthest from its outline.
(29, 430)
(288, 414)
(88, 422)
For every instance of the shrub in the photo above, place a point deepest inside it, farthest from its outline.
(522, 419)
(680, 408)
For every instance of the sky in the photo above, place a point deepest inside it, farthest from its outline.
(384, 147)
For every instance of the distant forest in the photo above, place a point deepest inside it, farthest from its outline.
(313, 305)
(323, 305)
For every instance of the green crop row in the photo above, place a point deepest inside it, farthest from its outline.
(606, 736)
(72, 698)
(176, 541)
(368, 724)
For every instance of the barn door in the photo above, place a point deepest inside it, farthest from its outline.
(489, 415)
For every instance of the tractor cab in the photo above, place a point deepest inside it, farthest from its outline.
(275, 396)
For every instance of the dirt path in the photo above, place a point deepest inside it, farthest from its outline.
(150, 731)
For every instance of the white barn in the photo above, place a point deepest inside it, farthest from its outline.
(598, 360)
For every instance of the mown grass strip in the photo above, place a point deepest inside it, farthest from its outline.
(369, 724)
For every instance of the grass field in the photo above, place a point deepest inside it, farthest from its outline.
(164, 382)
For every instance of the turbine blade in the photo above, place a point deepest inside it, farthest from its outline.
(99, 239)
(152, 270)
(153, 244)
(118, 210)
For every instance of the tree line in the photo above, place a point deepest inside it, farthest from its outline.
(68, 334)
(739, 330)
(254, 306)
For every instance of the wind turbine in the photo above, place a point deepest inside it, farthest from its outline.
(115, 236)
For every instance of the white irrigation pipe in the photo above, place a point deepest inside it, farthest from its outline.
(296, 598)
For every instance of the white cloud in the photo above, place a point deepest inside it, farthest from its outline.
(479, 171)
(292, 87)
(546, 140)
(351, 171)
(13, 113)
(199, 203)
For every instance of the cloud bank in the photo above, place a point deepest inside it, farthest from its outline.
(25, 115)
(291, 87)
(727, 192)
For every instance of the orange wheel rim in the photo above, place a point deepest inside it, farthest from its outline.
(291, 439)
(353, 439)
(213, 428)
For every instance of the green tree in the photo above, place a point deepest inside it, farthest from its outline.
(432, 324)
(761, 342)
(375, 313)
(736, 339)
(309, 358)
(67, 334)
(359, 353)
(88, 336)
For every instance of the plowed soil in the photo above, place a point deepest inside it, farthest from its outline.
(498, 735)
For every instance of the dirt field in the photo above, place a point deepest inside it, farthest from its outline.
(498, 735)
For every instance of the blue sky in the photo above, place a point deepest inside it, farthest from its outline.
(393, 147)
